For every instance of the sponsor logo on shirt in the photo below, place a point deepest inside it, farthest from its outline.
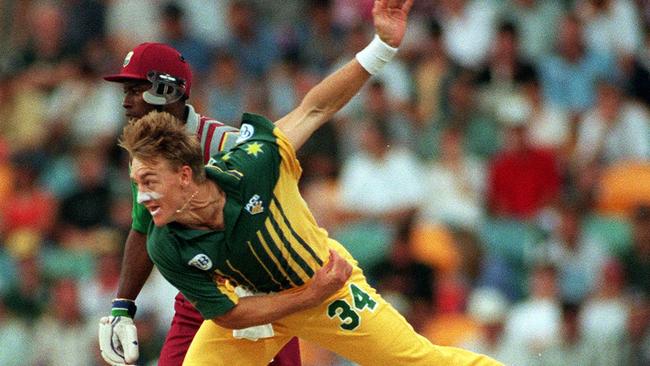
(255, 205)
(246, 131)
(201, 261)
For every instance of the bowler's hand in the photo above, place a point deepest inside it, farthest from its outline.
(329, 278)
(390, 18)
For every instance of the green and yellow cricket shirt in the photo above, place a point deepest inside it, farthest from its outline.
(271, 242)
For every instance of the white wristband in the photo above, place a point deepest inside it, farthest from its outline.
(375, 55)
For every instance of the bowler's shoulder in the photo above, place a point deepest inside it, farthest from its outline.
(255, 127)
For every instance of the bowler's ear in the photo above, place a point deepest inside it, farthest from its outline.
(186, 175)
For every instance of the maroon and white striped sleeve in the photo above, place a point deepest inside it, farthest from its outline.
(215, 136)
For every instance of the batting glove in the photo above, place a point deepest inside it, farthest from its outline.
(118, 336)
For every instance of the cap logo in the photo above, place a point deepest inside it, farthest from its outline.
(127, 59)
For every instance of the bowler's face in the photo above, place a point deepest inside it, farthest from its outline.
(133, 103)
(159, 189)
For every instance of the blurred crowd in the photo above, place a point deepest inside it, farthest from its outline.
(493, 181)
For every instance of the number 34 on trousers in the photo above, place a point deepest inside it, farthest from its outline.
(349, 314)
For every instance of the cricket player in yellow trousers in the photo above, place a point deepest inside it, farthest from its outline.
(237, 239)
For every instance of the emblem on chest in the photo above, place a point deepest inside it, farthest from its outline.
(254, 205)
(201, 261)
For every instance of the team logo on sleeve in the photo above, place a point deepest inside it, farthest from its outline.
(255, 205)
(201, 261)
(246, 131)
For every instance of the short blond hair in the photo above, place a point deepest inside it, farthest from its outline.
(159, 135)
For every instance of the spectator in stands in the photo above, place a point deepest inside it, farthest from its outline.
(174, 32)
(549, 126)
(6, 172)
(85, 23)
(87, 208)
(568, 75)
(460, 109)
(15, 337)
(523, 180)
(637, 349)
(612, 27)
(614, 130)
(533, 325)
(252, 42)
(100, 289)
(22, 101)
(287, 82)
(638, 77)
(636, 262)
(605, 316)
(81, 98)
(27, 296)
(579, 258)
(131, 22)
(505, 70)
(45, 59)
(317, 38)
(489, 308)
(63, 336)
(29, 203)
(431, 71)
(536, 19)
(572, 349)
(405, 282)
(382, 181)
(469, 28)
(227, 91)
(454, 185)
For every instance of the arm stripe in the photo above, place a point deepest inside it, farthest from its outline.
(201, 125)
(222, 140)
(208, 139)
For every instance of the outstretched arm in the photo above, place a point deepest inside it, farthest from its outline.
(331, 94)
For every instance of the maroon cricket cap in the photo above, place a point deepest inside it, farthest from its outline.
(153, 57)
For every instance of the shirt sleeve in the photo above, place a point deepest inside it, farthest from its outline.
(206, 293)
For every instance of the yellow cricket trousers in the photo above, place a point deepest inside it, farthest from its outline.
(355, 323)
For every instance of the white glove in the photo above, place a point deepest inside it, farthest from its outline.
(118, 340)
